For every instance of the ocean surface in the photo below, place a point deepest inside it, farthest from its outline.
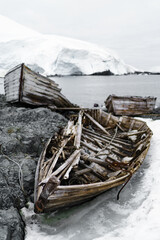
(136, 215)
(87, 90)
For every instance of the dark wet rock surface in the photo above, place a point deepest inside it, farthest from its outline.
(23, 134)
(11, 225)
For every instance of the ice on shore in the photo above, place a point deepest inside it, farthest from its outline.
(134, 216)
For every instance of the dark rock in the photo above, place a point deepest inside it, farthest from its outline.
(11, 192)
(11, 225)
(104, 73)
(156, 110)
(96, 105)
(5, 232)
(3, 102)
(24, 132)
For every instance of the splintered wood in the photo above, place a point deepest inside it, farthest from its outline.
(93, 153)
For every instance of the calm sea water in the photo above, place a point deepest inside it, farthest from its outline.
(87, 90)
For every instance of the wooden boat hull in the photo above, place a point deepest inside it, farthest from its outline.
(22, 85)
(130, 105)
(118, 172)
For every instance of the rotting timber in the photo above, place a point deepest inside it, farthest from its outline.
(96, 151)
(130, 105)
(22, 85)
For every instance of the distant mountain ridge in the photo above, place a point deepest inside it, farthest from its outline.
(54, 55)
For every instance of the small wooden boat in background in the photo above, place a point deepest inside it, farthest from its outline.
(22, 85)
(130, 105)
(93, 153)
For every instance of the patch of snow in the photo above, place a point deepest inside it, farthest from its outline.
(143, 222)
(134, 216)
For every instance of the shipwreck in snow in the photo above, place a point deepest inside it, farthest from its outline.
(130, 105)
(22, 85)
(93, 153)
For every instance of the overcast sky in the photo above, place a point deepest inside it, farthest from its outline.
(130, 27)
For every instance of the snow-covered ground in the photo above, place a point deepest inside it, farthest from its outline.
(51, 54)
(134, 216)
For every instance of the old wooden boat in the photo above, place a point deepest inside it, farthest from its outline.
(93, 153)
(22, 85)
(130, 105)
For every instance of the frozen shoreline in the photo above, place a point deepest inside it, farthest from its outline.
(135, 216)
(104, 217)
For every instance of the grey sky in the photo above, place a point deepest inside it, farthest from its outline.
(130, 27)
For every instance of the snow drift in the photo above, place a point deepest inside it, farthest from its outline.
(54, 55)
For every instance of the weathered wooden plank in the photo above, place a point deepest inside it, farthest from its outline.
(24, 85)
(130, 105)
(105, 138)
(33, 84)
(77, 139)
(39, 77)
(97, 124)
(102, 157)
(11, 84)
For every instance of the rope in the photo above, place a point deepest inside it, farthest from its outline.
(20, 173)
(124, 186)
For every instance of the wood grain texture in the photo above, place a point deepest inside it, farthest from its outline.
(11, 85)
(130, 105)
(26, 86)
(104, 161)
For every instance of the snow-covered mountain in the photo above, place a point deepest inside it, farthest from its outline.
(54, 55)
(10, 30)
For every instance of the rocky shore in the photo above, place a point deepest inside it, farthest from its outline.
(23, 133)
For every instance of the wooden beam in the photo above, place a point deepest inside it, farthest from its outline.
(97, 124)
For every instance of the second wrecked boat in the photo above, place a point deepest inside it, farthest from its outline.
(130, 105)
(93, 153)
(22, 85)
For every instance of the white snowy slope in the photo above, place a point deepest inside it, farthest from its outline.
(54, 55)
(10, 30)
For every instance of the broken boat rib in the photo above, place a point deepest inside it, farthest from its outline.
(89, 156)
(22, 85)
